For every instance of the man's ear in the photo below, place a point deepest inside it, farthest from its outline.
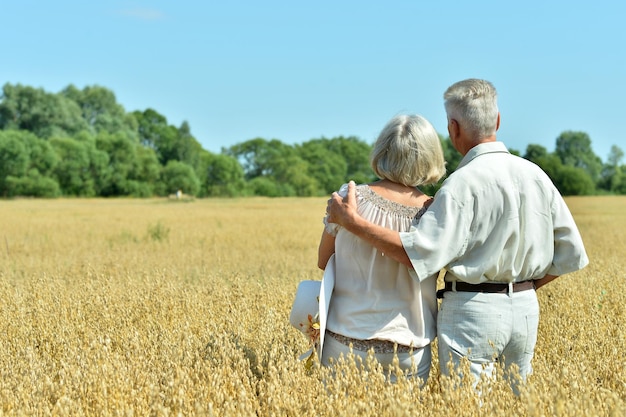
(498, 122)
(453, 128)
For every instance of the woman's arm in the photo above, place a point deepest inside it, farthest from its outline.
(325, 250)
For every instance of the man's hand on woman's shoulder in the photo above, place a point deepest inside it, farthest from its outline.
(341, 210)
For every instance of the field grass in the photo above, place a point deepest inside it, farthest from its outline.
(154, 307)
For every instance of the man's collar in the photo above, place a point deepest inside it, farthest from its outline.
(481, 149)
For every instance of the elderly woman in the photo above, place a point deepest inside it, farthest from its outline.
(376, 303)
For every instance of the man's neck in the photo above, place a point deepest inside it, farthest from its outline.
(479, 142)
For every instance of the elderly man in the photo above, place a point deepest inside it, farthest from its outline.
(498, 227)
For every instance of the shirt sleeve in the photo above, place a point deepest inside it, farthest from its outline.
(569, 250)
(443, 225)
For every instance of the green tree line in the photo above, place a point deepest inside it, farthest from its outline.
(82, 142)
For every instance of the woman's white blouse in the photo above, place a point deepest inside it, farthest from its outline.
(375, 297)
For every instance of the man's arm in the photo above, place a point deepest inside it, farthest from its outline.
(543, 281)
(343, 212)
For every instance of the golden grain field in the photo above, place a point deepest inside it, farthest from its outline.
(130, 307)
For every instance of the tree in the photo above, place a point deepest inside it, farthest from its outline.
(82, 169)
(33, 184)
(257, 156)
(155, 133)
(277, 162)
(150, 127)
(169, 143)
(14, 160)
(43, 158)
(574, 181)
(550, 163)
(147, 172)
(41, 113)
(73, 170)
(328, 168)
(620, 186)
(134, 170)
(267, 187)
(187, 148)
(611, 175)
(356, 153)
(122, 161)
(26, 165)
(534, 152)
(569, 180)
(292, 173)
(574, 149)
(101, 111)
(221, 175)
(180, 176)
(177, 144)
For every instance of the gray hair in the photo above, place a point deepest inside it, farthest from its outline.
(408, 151)
(473, 103)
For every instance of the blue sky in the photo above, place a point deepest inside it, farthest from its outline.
(297, 70)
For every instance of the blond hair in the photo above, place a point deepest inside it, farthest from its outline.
(408, 151)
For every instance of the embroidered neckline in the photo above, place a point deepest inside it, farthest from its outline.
(366, 193)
